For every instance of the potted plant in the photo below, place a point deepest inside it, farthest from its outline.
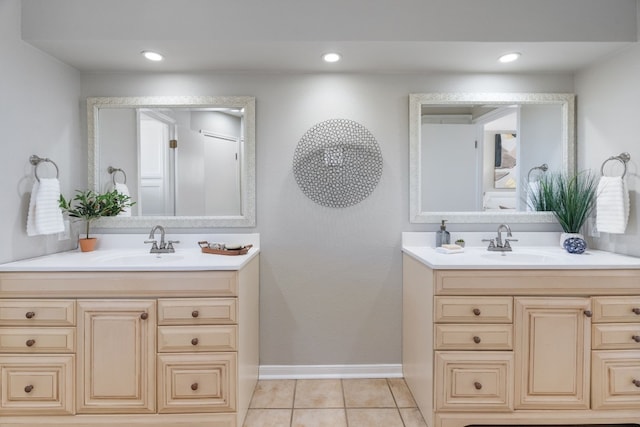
(571, 198)
(89, 205)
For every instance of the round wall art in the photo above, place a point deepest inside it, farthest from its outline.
(337, 163)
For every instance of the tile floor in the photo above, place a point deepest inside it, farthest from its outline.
(333, 403)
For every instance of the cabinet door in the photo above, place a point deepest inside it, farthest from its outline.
(116, 356)
(552, 342)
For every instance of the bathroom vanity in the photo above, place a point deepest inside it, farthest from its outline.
(535, 336)
(112, 338)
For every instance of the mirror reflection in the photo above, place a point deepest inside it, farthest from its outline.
(188, 160)
(475, 156)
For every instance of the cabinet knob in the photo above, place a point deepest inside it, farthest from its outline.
(476, 339)
(588, 313)
(195, 313)
(194, 386)
(30, 343)
(636, 338)
(194, 341)
(144, 316)
(636, 383)
(476, 311)
(28, 388)
(477, 385)
(636, 310)
(30, 314)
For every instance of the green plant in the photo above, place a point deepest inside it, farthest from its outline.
(570, 198)
(89, 205)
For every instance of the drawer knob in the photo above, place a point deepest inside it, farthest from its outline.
(30, 315)
(636, 383)
(636, 338)
(636, 310)
(476, 339)
(477, 385)
(30, 343)
(476, 311)
(194, 386)
(195, 313)
(588, 313)
(144, 316)
(194, 341)
(28, 388)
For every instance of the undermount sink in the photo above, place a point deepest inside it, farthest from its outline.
(137, 259)
(518, 257)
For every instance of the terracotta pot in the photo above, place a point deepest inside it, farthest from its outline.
(88, 245)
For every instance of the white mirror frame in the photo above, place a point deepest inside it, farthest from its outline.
(417, 100)
(248, 180)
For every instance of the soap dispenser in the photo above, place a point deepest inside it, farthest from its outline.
(442, 236)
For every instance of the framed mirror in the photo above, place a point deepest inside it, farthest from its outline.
(474, 157)
(187, 161)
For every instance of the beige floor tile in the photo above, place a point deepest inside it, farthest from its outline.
(412, 417)
(268, 418)
(273, 394)
(319, 418)
(401, 393)
(374, 417)
(367, 393)
(319, 394)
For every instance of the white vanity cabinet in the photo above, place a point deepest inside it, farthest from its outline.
(522, 346)
(163, 348)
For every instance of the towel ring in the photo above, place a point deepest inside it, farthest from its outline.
(113, 171)
(543, 167)
(36, 160)
(622, 158)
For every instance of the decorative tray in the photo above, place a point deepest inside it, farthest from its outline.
(204, 246)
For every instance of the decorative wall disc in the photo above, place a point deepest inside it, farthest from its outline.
(337, 163)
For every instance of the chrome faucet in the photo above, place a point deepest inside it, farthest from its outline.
(498, 244)
(163, 248)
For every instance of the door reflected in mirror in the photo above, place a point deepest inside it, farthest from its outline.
(191, 160)
(473, 157)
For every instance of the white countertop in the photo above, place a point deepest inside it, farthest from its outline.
(129, 253)
(532, 256)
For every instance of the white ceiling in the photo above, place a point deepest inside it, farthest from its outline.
(291, 35)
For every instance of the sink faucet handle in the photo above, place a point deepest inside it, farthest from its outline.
(506, 243)
(154, 244)
(171, 242)
(492, 242)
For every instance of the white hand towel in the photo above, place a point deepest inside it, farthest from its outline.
(123, 189)
(532, 194)
(45, 215)
(31, 213)
(612, 205)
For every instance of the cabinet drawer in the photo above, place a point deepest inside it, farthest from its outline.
(203, 382)
(197, 338)
(474, 310)
(197, 311)
(616, 309)
(35, 384)
(37, 312)
(37, 340)
(474, 381)
(615, 380)
(474, 337)
(615, 336)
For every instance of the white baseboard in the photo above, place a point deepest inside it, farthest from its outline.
(273, 372)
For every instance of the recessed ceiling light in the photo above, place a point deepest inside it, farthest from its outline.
(331, 57)
(509, 57)
(152, 56)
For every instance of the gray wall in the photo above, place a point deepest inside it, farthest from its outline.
(330, 278)
(39, 114)
(608, 117)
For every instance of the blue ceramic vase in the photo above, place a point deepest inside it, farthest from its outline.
(575, 245)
